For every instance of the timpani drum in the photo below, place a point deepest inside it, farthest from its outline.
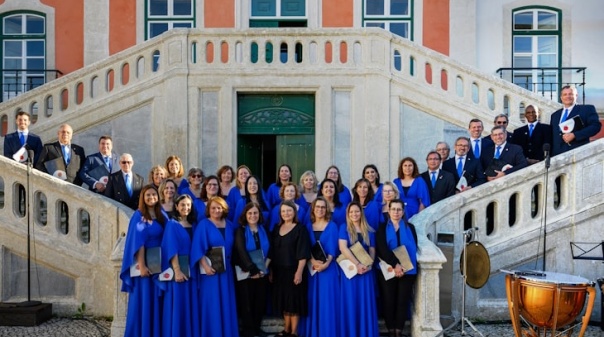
(548, 302)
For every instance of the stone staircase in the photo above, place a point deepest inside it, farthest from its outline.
(198, 71)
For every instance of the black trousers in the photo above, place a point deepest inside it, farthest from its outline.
(396, 295)
(251, 304)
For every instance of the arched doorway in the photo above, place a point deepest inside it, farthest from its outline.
(275, 129)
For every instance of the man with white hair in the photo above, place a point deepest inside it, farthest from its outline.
(125, 186)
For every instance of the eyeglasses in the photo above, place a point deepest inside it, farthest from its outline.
(126, 162)
(197, 176)
(501, 122)
(388, 191)
(213, 185)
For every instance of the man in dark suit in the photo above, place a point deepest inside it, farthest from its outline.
(462, 164)
(13, 142)
(125, 186)
(532, 136)
(63, 158)
(562, 142)
(99, 165)
(477, 143)
(502, 157)
(441, 184)
(501, 119)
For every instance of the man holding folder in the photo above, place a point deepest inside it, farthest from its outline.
(573, 125)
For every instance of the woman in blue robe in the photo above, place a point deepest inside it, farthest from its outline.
(253, 193)
(178, 311)
(358, 312)
(371, 173)
(289, 191)
(333, 173)
(396, 293)
(210, 189)
(338, 208)
(323, 286)
(251, 236)
(238, 191)
(194, 185)
(167, 195)
(272, 195)
(308, 187)
(144, 232)
(363, 194)
(412, 188)
(215, 295)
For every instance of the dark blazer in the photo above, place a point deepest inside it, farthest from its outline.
(532, 146)
(92, 162)
(591, 122)
(116, 189)
(511, 154)
(473, 170)
(12, 144)
(53, 150)
(444, 188)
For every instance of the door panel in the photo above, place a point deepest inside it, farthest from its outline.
(298, 151)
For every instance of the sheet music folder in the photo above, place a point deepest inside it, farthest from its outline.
(587, 251)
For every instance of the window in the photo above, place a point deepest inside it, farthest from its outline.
(391, 15)
(163, 15)
(278, 13)
(23, 53)
(536, 50)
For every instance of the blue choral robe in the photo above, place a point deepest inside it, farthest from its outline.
(144, 307)
(178, 312)
(215, 295)
(417, 191)
(324, 290)
(358, 309)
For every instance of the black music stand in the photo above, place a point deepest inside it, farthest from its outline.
(591, 251)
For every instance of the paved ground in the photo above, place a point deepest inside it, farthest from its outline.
(68, 327)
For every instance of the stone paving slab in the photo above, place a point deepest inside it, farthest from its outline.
(69, 327)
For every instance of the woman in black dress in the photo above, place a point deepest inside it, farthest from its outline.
(250, 239)
(290, 249)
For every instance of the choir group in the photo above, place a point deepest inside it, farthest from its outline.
(206, 257)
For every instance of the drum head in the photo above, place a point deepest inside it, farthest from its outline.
(479, 264)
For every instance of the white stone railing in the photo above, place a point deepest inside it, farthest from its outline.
(73, 235)
(450, 90)
(575, 214)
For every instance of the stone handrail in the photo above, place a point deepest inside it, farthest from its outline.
(444, 83)
(574, 213)
(82, 253)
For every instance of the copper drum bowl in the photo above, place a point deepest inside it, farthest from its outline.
(549, 301)
(538, 302)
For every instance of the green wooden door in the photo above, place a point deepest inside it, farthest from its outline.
(275, 129)
(298, 151)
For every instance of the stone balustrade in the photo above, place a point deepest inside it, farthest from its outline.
(450, 90)
(73, 232)
(510, 213)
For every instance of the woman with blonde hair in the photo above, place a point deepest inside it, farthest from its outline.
(308, 188)
(358, 312)
(238, 191)
(157, 174)
(175, 169)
